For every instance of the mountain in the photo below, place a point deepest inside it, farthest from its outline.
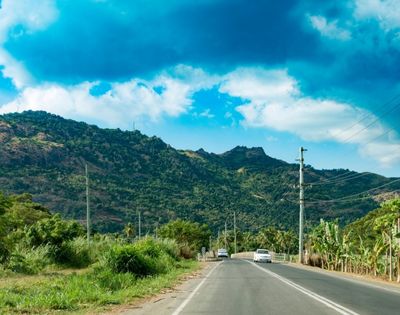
(45, 155)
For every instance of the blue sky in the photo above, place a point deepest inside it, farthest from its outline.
(214, 74)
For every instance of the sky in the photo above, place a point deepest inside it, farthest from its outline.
(215, 74)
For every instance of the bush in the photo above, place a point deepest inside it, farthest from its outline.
(54, 231)
(170, 247)
(186, 252)
(102, 244)
(149, 246)
(127, 258)
(75, 253)
(4, 252)
(29, 260)
(146, 257)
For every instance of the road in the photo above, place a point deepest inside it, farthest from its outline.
(243, 287)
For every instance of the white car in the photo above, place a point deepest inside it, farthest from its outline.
(222, 252)
(262, 255)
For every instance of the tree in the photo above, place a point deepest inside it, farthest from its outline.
(187, 233)
(53, 231)
(129, 230)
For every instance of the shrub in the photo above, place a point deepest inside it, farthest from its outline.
(4, 252)
(186, 252)
(146, 257)
(53, 231)
(29, 260)
(74, 253)
(127, 258)
(170, 247)
(149, 247)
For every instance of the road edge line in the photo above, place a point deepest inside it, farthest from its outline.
(187, 300)
(337, 307)
(348, 277)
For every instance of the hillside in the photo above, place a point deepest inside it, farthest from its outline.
(44, 155)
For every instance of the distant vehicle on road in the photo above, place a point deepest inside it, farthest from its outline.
(262, 255)
(222, 252)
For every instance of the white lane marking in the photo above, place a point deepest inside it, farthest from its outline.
(187, 300)
(345, 278)
(337, 307)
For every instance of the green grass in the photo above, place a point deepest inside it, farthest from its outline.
(81, 293)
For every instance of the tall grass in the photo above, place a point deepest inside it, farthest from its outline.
(28, 260)
(143, 258)
(95, 289)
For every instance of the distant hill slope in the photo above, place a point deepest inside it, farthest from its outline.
(44, 155)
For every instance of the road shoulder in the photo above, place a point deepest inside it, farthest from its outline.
(170, 298)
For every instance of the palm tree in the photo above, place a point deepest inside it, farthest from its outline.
(129, 230)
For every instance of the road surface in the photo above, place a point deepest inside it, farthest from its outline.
(243, 287)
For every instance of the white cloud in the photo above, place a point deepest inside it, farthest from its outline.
(169, 93)
(273, 100)
(31, 15)
(207, 114)
(386, 12)
(329, 29)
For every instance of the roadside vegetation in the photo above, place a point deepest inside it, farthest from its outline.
(368, 246)
(47, 265)
(271, 238)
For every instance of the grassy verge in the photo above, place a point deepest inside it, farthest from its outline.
(84, 292)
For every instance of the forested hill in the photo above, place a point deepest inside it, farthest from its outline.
(44, 155)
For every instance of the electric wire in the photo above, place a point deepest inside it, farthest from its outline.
(346, 200)
(393, 99)
(372, 123)
(340, 180)
(354, 195)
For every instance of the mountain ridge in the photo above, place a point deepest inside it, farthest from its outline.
(45, 154)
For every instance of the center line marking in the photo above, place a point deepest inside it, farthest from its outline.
(337, 307)
(187, 300)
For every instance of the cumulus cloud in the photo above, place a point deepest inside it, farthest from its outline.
(272, 99)
(30, 16)
(329, 29)
(169, 93)
(386, 12)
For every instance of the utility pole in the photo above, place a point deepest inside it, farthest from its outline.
(301, 219)
(87, 204)
(226, 231)
(234, 229)
(218, 241)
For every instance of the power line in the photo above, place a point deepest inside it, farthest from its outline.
(372, 123)
(381, 135)
(354, 195)
(335, 177)
(393, 99)
(347, 200)
(340, 180)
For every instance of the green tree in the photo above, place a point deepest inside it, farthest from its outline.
(129, 230)
(186, 233)
(53, 231)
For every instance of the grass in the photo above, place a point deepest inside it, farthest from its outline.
(96, 289)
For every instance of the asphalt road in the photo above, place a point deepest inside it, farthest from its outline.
(243, 287)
